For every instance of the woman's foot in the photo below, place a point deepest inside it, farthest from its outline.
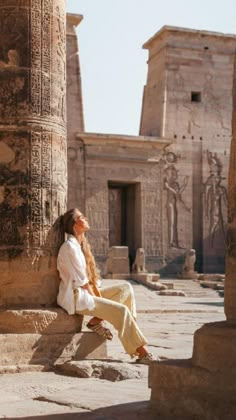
(95, 321)
(146, 360)
(100, 329)
(145, 357)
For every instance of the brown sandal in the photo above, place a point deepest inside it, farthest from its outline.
(146, 360)
(101, 330)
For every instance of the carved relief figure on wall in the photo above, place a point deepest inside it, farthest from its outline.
(14, 201)
(59, 90)
(12, 59)
(212, 101)
(181, 96)
(215, 196)
(11, 93)
(174, 197)
(215, 165)
(14, 62)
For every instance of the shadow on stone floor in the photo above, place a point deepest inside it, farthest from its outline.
(219, 304)
(130, 411)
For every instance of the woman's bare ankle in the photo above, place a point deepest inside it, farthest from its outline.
(94, 321)
(142, 351)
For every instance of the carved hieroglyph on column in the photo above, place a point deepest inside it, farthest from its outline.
(230, 281)
(33, 169)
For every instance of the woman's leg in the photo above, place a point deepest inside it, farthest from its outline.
(121, 318)
(121, 293)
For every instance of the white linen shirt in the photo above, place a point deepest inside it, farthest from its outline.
(71, 265)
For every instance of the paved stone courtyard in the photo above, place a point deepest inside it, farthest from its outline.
(168, 323)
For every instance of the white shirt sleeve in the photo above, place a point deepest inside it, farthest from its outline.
(71, 265)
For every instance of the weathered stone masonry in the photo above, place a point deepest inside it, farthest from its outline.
(188, 98)
(33, 179)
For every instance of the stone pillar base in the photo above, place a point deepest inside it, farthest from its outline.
(214, 347)
(38, 321)
(188, 275)
(151, 280)
(183, 391)
(18, 350)
(118, 261)
(203, 387)
(38, 339)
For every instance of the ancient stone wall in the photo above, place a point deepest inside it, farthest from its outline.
(230, 284)
(33, 181)
(151, 123)
(127, 163)
(196, 114)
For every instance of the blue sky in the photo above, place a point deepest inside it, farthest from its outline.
(113, 63)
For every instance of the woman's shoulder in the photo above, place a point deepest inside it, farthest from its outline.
(70, 244)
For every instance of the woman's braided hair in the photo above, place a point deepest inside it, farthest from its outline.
(92, 271)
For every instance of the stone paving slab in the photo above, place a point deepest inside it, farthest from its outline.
(111, 370)
(47, 393)
(21, 409)
(90, 394)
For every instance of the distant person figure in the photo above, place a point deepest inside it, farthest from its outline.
(79, 292)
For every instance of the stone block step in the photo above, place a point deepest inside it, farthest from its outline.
(212, 342)
(183, 391)
(46, 350)
(119, 252)
(117, 276)
(39, 321)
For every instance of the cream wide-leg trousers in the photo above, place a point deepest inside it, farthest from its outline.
(117, 306)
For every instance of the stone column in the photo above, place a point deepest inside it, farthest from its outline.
(230, 281)
(33, 168)
(75, 117)
(33, 189)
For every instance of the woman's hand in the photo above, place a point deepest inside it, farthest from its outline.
(89, 288)
(92, 289)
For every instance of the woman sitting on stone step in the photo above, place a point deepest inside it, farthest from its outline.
(79, 292)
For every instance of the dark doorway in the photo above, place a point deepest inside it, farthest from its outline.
(124, 216)
(117, 216)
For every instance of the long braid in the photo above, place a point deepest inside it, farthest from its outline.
(91, 268)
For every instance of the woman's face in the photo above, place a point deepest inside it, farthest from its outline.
(81, 225)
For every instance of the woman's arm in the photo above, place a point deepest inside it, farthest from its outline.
(89, 288)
